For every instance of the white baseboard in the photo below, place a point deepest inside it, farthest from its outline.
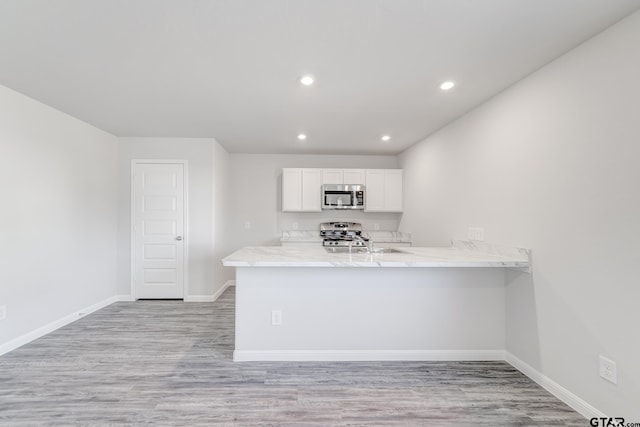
(124, 298)
(56, 324)
(199, 298)
(223, 288)
(364, 355)
(579, 405)
(210, 298)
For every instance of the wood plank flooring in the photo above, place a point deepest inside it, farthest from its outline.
(169, 363)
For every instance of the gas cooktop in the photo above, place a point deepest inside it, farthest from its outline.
(342, 234)
(340, 228)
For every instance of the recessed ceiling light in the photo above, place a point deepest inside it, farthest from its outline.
(302, 137)
(306, 80)
(386, 138)
(447, 85)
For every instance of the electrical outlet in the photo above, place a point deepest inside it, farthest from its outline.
(475, 233)
(247, 225)
(276, 317)
(3, 312)
(295, 225)
(608, 370)
(376, 227)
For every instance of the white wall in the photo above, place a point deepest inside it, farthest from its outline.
(205, 271)
(552, 164)
(256, 196)
(57, 217)
(221, 215)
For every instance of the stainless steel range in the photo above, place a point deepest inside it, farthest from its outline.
(345, 234)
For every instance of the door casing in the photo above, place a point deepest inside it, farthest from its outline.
(185, 184)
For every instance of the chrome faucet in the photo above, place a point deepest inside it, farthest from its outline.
(368, 244)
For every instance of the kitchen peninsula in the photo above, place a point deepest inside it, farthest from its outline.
(419, 303)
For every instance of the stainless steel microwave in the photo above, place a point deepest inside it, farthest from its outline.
(342, 196)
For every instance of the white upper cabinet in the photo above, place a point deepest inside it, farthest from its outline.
(301, 190)
(311, 190)
(393, 190)
(343, 176)
(354, 176)
(332, 176)
(384, 190)
(374, 190)
(291, 190)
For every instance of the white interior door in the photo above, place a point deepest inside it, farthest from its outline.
(158, 229)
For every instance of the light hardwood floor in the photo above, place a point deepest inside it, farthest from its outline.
(169, 363)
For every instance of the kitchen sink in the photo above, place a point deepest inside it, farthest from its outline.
(360, 250)
(387, 251)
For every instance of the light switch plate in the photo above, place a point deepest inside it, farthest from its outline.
(276, 317)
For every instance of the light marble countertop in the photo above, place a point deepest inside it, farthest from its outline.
(460, 254)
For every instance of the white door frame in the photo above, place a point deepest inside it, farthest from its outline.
(185, 183)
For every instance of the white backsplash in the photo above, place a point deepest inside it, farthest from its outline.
(311, 220)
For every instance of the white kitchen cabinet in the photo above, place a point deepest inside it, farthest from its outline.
(384, 190)
(393, 190)
(343, 176)
(353, 176)
(301, 190)
(332, 176)
(311, 190)
(374, 190)
(291, 190)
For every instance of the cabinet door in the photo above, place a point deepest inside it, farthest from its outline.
(393, 190)
(311, 190)
(291, 190)
(332, 176)
(374, 193)
(354, 176)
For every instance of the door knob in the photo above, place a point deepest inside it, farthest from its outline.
(179, 238)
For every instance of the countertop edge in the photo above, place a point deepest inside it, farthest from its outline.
(461, 254)
(356, 264)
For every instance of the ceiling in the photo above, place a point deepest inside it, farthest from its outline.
(229, 69)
